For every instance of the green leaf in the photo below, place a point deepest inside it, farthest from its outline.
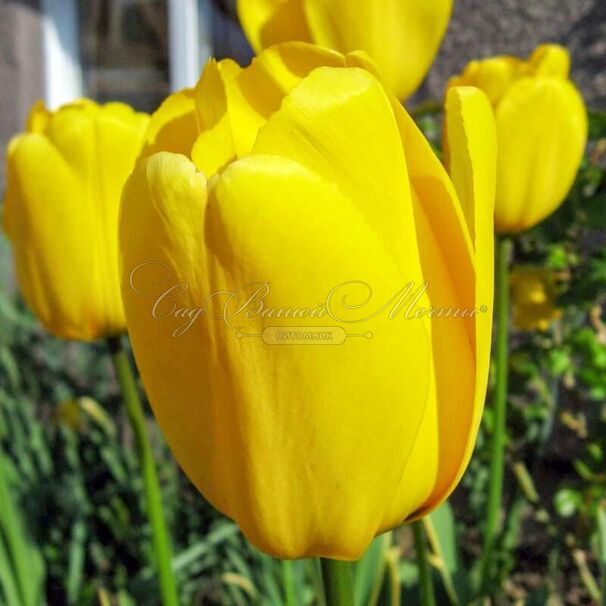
(441, 532)
(23, 564)
(369, 571)
(9, 587)
(391, 588)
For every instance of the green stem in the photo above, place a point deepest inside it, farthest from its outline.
(288, 580)
(153, 496)
(425, 583)
(337, 578)
(497, 463)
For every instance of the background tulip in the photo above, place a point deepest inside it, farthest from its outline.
(541, 129)
(64, 179)
(319, 179)
(401, 36)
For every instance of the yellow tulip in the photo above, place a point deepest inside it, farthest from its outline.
(305, 179)
(541, 132)
(64, 180)
(533, 294)
(401, 36)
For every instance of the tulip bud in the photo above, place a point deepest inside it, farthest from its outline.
(401, 36)
(64, 179)
(277, 301)
(541, 131)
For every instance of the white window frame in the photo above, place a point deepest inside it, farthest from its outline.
(188, 41)
(62, 68)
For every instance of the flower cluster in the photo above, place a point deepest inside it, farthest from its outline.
(304, 171)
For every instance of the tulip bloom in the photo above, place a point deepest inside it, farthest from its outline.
(301, 174)
(541, 131)
(401, 36)
(64, 179)
(533, 295)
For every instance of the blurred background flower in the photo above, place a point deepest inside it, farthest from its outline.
(533, 298)
(64, 180)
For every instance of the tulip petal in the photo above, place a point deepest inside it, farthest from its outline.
(258, 90)
(472, 157)
(269, 22)
(215, 146)
(317, 464)
(172, 126)
(38, 118)
(494, 76)
(357, 164)
(167, 196)
(233, 103)
(350, 138)
(401, 36)
(448, 264)
(437, 203)
(541, 130)
(550, 60)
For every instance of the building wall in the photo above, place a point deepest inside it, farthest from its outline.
(21, 84)
(21, 74)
